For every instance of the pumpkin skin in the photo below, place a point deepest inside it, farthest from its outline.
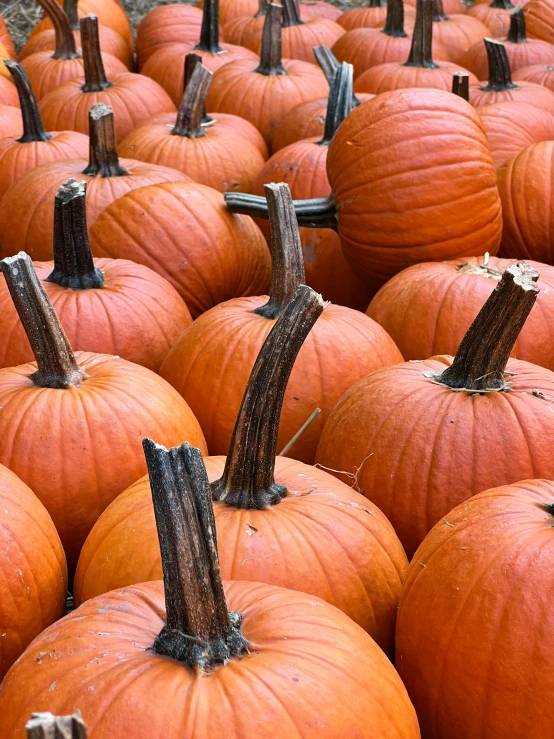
(540, 74)
(319, 9)
(533, 51)
(165, 25)
(396, 76)
(457, 33)
(298, 41)
(428, 422)
(515, 3)
(539, 20)
(524, 92)
(492, 558)
(371, 16)
(8, 93)
(6, 40)
(314, 655)
(428, 307)
(389, 224)
(497, 20)
(11, 123)
(450, 7)
(33, 569)
(222, 256)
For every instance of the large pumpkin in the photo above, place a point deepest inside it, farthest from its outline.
(495, 16)
(166, 24)
(540, 74)
(539, 16)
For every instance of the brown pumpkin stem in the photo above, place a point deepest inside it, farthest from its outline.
(376, 4)
(65, 41)
(95, 74)
(73, 263)
(394, 22)
(103, 158)
(209, 32)
(438, 12)
(502, 4)
(57, 367)
(291, 14)
(200, 632)
(192, 107)
(422, 40)
(329, 65)
(248, 480)
(460, 85)
(70, 9)
(33, 130)
(482, 356)
(47, 726)
(312, 213)
(517, 33)
(270, 54)
(339, 104)
(500, 74)
(191, 62)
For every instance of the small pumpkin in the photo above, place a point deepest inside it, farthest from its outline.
(456, 32)
(495, 16)
(457, 7)
(373, 15)
(166, 24)
(539, 17)
(539, 74)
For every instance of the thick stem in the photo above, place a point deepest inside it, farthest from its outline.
(248, 480)
(329, 65)
(500, 74)
(192, 107)
(199, 632)
(270, 54)
(422, 40)
(73, 263)
(70, 9)
(33, 130)
(482, 356)
(57, 367)
(47, 726)
(438, 12)
(394, 23)
(502, 4)
(191, 62)
(209, 33)
(95, 75)
(460, 85)
(103, 158)
(517, 33)
(65, 41)
(312, 213)
(291, 14)
(339, 104)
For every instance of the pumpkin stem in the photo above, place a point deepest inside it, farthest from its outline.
(192, 107)
(482, 356)
(70, 9)
(312, 213)
(103, 158)
(73, 263)
(503, 4)
(339, 104)
(270, 54)
(262, 8)
(291, 14)
(44, 725)
(191, 62)
(394, 22)
(248, 480)
(33, 130)
(500, 74)
(438, 12)
(422, 40)
(517, 33)
(460, 85)
(57, 367)
(65, 41)
(209, 33)
(376, 4)
(329, 65)
(199, 632)
(95, 74)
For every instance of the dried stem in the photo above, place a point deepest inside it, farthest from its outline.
(460, 85)
(291, 14)
(47, 726)
(70, 9)
(191, 61)
(422, 41)
(65, 41)
(339, 104)
(33, 130)
(95, 74)
(192, 107)
(103, 158)
(209, 33)
(502, 4)
(500, 74)
(394, 22)
(271, 56)
(517, 33)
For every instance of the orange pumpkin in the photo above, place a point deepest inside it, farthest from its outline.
(8, 93)
(6, 40)
(166, 24)
(495, 16)
(540, 74)
(457, 7)
(246, 30)
(11, 122)
(539, 17)
(457, 32)
(372, 15)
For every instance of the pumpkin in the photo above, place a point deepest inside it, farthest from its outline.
(319, 9)
(300, 37)
(42, 725)
(35, 146)
(517, 3)
(428, 308)
(495, 16)
(480, 405)
(108, 306)
(373, 15)
(8, 93)
(457, 7)
(540, 74)
(32, 568)
(539, 17)
(480, 585)
(108, 178)
(6, 40)
(11, 122)
(257, 652)
(47, 71)
(211, 155)
(348, 558)
(456, 32)
(166, 24)
(133, 97)
(241, 86)
(419, 70)
(71, 425)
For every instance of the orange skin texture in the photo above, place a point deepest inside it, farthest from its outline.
(525, 92)
(410, 440)
(520, 55)
(473, 635)
(540, 74)
(33, 572)
(511, 127)
(230, 9)
(16, 158)
(167, 24)
(395, 76)
(6, 40)
(133, 97)
(77, 449)
(450, 7)
(237, 88)
(539, 20)
(47, 74)
(11, 123)
(8, 93)
(341, 554)
(302, 166)
(208, 258)
(136, 315)
(391, 213)
(319, 9)
(211, 363)
(428, 308)
(497, 20)
(32, 197)
(246, 30)
(166, 66)
(310, 671)
(298, 41)
(363, 18)
(457, 33)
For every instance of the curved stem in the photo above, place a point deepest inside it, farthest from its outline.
(517, 33)
(422, 40)
(103, 158)
(248, 480)
(394, 22)
(65, 41)
(95, 75)
(57, 367)
(200, 632)
(502, 4)
(33, 130)
(460, 85)
(70, 9)
(191, 62)
(73, 263)
(44, 725)
(438, 12)
(192, 107)
(500, 74)
(271, 54)
(291, 14)
(329, 65)
(209, 32)
(339, 104)
(312, 213)
(482, 356)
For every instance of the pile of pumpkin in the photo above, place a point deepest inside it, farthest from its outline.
(274, 513)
